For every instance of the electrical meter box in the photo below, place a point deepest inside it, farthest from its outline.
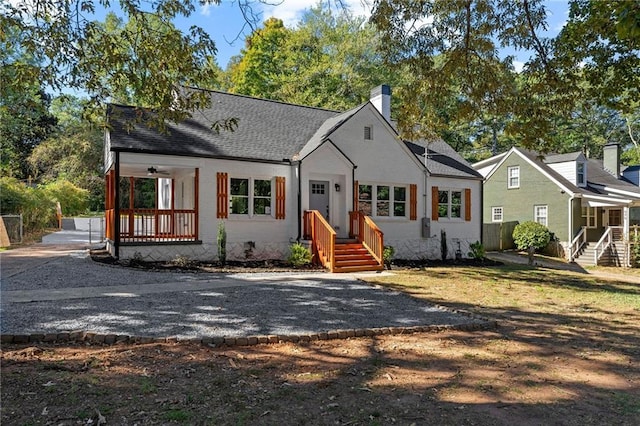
(426, 227)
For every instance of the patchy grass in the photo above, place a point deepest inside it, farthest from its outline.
(567, 351)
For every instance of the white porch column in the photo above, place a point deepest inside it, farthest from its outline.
(625, 223)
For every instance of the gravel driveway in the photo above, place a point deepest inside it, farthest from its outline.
(52, 290)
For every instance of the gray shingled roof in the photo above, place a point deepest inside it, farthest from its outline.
(267, 130)
(561, 158)
(442, 159)
(596, 175)
(326, 129)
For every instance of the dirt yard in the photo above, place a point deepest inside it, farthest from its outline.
(567, 352)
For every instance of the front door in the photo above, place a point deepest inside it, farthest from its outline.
(615, 217)
(319, 197)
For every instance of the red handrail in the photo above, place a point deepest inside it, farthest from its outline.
(322, 236)
(158, 225)
(367, 232)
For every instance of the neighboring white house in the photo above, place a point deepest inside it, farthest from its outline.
(282, 162)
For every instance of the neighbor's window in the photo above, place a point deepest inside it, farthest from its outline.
(580, 174)
(496, 214)
(449, 204)
(589, 217)
(250, 196)
(540, 215)
(513, 176)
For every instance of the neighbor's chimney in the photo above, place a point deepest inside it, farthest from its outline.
(381, 99)
(611, 159)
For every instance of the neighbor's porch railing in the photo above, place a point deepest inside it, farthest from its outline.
(579, 241)
(603, 244)
(322, 236)
(367, 232)
(156, 225)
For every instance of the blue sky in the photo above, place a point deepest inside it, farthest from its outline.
(226, 26)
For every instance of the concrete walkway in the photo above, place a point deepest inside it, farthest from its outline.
(620, 274)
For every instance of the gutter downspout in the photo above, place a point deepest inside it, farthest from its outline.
(481, 210)
(299, 172)
(570, 233)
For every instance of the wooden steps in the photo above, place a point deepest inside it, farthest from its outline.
(352, 256)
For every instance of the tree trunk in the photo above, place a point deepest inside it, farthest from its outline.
(531, 251)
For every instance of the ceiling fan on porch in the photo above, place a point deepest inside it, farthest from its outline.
(151, 171)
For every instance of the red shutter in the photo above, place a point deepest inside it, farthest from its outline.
(223, 196)
(434, 203)
(280, 197)
(467, 204)
(413, 201)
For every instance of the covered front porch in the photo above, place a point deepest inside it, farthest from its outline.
(147, 204)
(606, 233)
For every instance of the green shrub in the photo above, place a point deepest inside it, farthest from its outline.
(531, 236)
(477, 251)
(299, 255)
(387, 255)
(222, 243)
(72, 199)
(37, 209)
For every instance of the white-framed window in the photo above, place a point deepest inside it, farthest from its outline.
(497, 214)
(389, 200)
(580, 175)
(541, 215)
(250, 196)
(368, 133)
(589, 217)
(449, 203)
(513, 177)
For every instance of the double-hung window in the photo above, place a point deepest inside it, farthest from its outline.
(541, 215)
(513, 177)
(389, 201)
(589, 217)
(580, 180)
(497, 214)
(250, 196)
(450, 204)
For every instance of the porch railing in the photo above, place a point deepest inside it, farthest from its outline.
(579, 241)
(602, 245)
(323, 238)
(157, 225)
(367, 232)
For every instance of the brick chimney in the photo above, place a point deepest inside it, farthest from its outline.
(381, 99)
(611, 159)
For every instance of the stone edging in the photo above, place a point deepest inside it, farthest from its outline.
(110, 339)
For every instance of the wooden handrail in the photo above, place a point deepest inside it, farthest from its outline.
(606, 236)
(368, 233)
(582, 236)
(323, 238)
(158, 225)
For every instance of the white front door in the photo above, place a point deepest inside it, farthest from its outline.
(319, 197)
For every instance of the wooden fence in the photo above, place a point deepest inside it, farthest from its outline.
(498, 236)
